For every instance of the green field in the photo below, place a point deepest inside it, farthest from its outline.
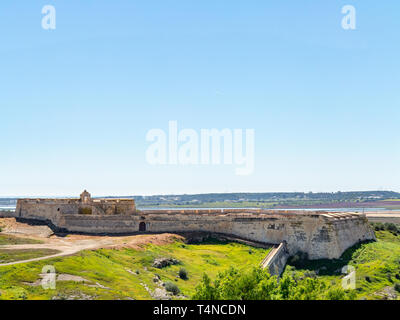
(377, 266)
(123, 274)
(9, 255)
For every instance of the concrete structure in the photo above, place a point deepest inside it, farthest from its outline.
(319, 234)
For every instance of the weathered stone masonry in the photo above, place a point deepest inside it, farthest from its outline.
(321, 235)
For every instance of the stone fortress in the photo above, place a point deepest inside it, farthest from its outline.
(319, 234)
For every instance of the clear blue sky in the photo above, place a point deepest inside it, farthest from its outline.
(76, 102)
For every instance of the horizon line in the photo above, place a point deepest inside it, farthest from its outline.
(191, 194)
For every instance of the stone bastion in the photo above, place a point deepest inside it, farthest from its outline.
(319, 234)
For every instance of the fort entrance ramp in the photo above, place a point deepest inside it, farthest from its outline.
(319, 234)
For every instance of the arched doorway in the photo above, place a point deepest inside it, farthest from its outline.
(142, 226)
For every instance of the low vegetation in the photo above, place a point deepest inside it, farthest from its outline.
(172, 287)
(11, 240)
(381, 199)
(128, 273)
(211, 270)
(183, 274)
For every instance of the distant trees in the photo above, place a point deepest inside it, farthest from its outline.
(258, 284)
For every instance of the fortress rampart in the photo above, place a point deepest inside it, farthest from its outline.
(319, 234)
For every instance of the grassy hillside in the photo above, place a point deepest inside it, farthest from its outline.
(377, 266)
(125, 273)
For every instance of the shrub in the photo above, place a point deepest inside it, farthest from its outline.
(397, 287)
(183, 274)
(172, 287)
(339, 294)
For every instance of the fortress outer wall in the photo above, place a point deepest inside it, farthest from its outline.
(318, 234)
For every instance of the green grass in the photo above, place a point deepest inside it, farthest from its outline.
(10, 255)
(11, 240)
(377, 266)
(116, 270)
(269, 204)
(391, 207)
